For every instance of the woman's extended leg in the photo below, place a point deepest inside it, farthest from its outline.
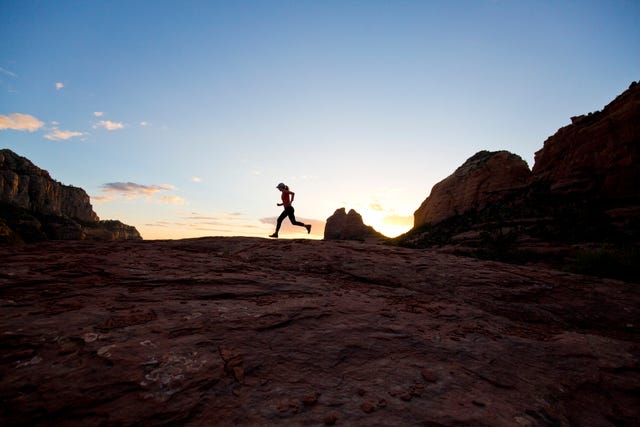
(292, 216)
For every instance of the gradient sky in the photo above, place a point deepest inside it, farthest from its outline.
(180, 117)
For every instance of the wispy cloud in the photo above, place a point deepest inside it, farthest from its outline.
(399, 220)
(18, 121)
(108, 125)
(132, 190)
(376, 207)
(101, 199)
(98, 113)
(213, 218)
(112, 191)
(196, 179)
(172, 200)
(144, 123)
(59, 85)
(220, 223)
(61, 135)
(7, 72)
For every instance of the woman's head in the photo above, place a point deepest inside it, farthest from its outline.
(281, 187)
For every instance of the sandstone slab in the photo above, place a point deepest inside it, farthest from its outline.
(245, 331)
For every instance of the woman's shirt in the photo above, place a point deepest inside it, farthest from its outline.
(287, 197)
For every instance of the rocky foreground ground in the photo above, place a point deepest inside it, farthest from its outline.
(245, 331)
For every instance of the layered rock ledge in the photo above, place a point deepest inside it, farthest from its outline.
(243, 331)
(35, 207)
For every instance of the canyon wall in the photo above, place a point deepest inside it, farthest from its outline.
(582, 192)
(35, 207)
(598, 154)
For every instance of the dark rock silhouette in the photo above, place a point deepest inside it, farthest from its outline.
(349, 226)
(582, 193)
(35, 207)
(245, 331)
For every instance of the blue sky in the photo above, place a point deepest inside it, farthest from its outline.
(181, 117)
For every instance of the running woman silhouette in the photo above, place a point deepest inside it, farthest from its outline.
(287, 200)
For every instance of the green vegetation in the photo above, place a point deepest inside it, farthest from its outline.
(613, 263)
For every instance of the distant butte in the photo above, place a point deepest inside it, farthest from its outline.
(349, 226)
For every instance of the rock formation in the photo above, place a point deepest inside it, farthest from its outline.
(35, 207)
(598, 154)
(348, 226)
(26, 186)
(256, 332)
(483, 179)
(583, 192)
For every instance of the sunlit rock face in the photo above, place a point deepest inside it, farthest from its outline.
(348, 226)
(35, 207)
(483, 179)
(26, 186)
(598, 154)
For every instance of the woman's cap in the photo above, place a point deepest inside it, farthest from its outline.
(280, 186)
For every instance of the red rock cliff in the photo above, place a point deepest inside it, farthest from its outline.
(583, 191)
(598, 153)
(35, 207)
(481, 180)
(25, 185)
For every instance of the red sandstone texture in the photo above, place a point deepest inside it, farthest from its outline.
(483, 179)
(245, 331)
(598, 153)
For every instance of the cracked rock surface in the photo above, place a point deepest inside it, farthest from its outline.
(246, 331)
